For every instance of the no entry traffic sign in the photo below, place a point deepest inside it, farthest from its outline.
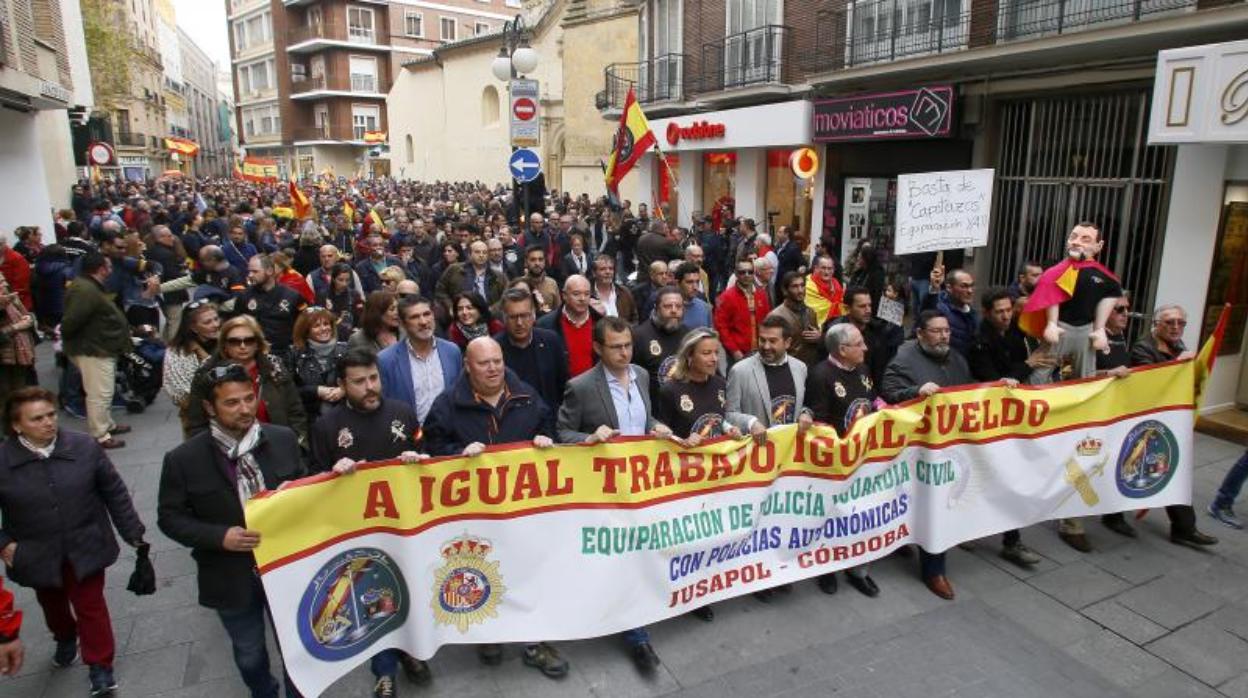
(526, 127)
(524, 109)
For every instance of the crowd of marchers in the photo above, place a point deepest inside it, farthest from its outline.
(309, 329)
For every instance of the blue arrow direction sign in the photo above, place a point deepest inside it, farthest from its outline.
(525, 165)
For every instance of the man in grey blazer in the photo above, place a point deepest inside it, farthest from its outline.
(766, 389)
(612, 399)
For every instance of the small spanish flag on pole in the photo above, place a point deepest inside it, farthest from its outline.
(1209, 353)
(349, 211)
(299, 202)
(632, 139)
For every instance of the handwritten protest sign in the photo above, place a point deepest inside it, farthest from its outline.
(943, 210)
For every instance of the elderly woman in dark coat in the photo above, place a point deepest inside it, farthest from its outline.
(60, 499)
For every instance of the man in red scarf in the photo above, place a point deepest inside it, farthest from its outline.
(1072, 301)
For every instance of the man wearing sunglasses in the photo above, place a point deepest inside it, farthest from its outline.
(740, 310)
(204, 484)
(1165, 343)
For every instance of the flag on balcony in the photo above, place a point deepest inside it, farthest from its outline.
(182, 146)
(632, 139)
(374, 136)
(299, 202)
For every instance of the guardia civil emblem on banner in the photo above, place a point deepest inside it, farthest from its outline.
(353, 600)
(468, 588)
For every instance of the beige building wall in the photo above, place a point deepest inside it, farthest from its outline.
(456, 112)
(596, 33)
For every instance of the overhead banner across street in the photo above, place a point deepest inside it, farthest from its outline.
(521, 544)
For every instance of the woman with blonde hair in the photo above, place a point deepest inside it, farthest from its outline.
(242, 342)
(692, 402)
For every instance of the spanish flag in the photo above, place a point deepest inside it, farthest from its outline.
(1209, 352)
(349, 211)
(1055, 286)
(299, 202)
(825, 299)
(374, 137)
(632, 139)
(182, 146)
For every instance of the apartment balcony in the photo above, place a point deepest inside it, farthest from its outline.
(864, 40)
(129, 139)
(325, 133)
(317, 37)
(660, 84)
(747, 65)
(320, 86)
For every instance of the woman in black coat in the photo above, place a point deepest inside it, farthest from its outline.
(60, 499)
(317, 351)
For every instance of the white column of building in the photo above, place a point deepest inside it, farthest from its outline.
(751, 185)
(24, 200)
(689, 186)
(1191, 235)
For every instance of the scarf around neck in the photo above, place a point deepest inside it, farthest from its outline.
(239, 451)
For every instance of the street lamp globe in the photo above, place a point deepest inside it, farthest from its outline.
(501, 66)
(525, 59)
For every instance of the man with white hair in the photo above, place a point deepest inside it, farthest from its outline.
(1165, 343)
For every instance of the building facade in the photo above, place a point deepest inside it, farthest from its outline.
(204, 117)
(451, 117)
(37, 73)
(1053, 95)
(311, 76)
(123, 44)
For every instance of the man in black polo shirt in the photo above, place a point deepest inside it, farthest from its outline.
(657, 338)
(273, 305)
(365, 427)
(838, 391)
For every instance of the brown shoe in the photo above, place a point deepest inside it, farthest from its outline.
(120, 429)
(111, 443)
(1078, 541)
(940, 586)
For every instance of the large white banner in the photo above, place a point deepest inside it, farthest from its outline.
(574, 542)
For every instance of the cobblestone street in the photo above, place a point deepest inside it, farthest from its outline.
(1134, 618)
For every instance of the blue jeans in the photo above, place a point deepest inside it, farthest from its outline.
(636, 636)
(245, 626)
(386, 663)
(931, 564)
(1232, 483)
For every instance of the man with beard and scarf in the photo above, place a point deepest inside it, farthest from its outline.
(656, 340)
(1072, 302)
(204, 484)
(922, 367)
(363, 428)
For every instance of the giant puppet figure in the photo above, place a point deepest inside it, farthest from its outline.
(1072, 301)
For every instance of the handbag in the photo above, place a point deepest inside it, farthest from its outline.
(143, 579)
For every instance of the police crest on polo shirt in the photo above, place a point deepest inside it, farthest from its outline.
(251, 305)
(838, 389)
(686, 403)
(345, 438)
(866, 382)
(655, 349)
(283, 306)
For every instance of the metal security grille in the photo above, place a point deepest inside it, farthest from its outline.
(1081, 158)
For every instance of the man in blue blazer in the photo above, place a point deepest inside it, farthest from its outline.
(417, 369)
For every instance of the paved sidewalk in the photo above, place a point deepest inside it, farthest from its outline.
(1134, 618)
